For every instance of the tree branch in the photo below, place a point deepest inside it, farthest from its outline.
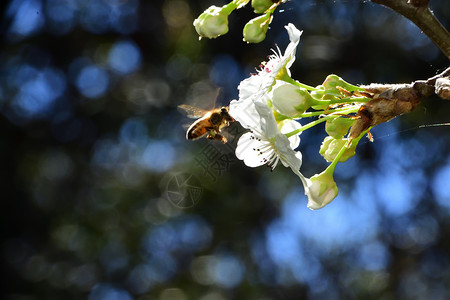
(419, 13)
(391, 100)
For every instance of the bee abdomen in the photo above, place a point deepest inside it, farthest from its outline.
(195, 131)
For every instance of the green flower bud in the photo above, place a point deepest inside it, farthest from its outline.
(321, 94)
(338, 127)
(260, 6)
(321, 190)
(213, 22)
(288, 99)
(333, 81)
(330, 148)
(255, 30)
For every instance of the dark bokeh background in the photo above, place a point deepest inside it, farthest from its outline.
(103, 198)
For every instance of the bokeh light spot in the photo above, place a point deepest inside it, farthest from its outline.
(38, 91)
(158, 156)
(27, 16)
(92, 81)
(228, 271)
(440, 186)
(61, 15)
(105, 291)
(125, 57)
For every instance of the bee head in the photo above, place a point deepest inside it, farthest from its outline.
(225, 113)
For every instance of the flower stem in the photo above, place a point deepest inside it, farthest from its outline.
(299, 84)
(349, 143)
(307, 126)
(228, 8)
(343, 111)
(342, 100)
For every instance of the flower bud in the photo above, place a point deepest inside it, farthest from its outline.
(322, 189)
(213, 22)
(260, 6)
(333, 81)
(319, 94)
(255, 30)
(330, 148)
(288, 99)
(338, 127)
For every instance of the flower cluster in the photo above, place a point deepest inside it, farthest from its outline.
(213, 22)
(270, 106)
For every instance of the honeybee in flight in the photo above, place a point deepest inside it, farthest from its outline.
(209, 122)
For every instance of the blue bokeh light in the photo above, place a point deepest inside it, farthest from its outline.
(124, 57)
(92, 81)
(188, 234)
(159, 156)
(27, 17)
(226, 64)
(38, 91)
(228, 271)
(373, 256)
(61, 15)
(134, 132)
(114, 256)
(440, 186)
(105, 291)
(119, 16)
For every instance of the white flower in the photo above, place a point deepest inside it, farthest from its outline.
(288, 99)
(265, 143)
(321, 189)
(259, 84)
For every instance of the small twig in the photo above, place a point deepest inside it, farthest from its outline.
(418, 12)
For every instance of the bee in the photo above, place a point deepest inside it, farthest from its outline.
(210, 122)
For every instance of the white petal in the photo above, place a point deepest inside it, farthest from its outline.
(288, 157)
(245, 113)
(289, 126)
(294, 37)
(267, 120)
(245, 150)
(249, 87)
(286, 97)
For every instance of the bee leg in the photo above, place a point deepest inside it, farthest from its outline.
(370, 136)
(221, 138)
(217, 136)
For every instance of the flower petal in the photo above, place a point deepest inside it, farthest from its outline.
(245, 150)
(267, 120)
(288, 157)
(294, 37)
(245, 113)
(289, 126)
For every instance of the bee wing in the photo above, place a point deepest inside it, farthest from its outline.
(191, 111)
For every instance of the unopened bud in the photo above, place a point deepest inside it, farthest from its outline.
(255, 30)
(338, 127)
(330, 148)
(213, 22)
(288, 99)
(333, 81)
(260, 6)
(322, 190)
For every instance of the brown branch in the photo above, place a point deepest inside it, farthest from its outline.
(391, 100)
(419, 13)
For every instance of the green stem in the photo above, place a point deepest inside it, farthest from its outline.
(299, 84)
(343, 111)
(307, 126)
(228, 8)
(348, 145)
(343, 100)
